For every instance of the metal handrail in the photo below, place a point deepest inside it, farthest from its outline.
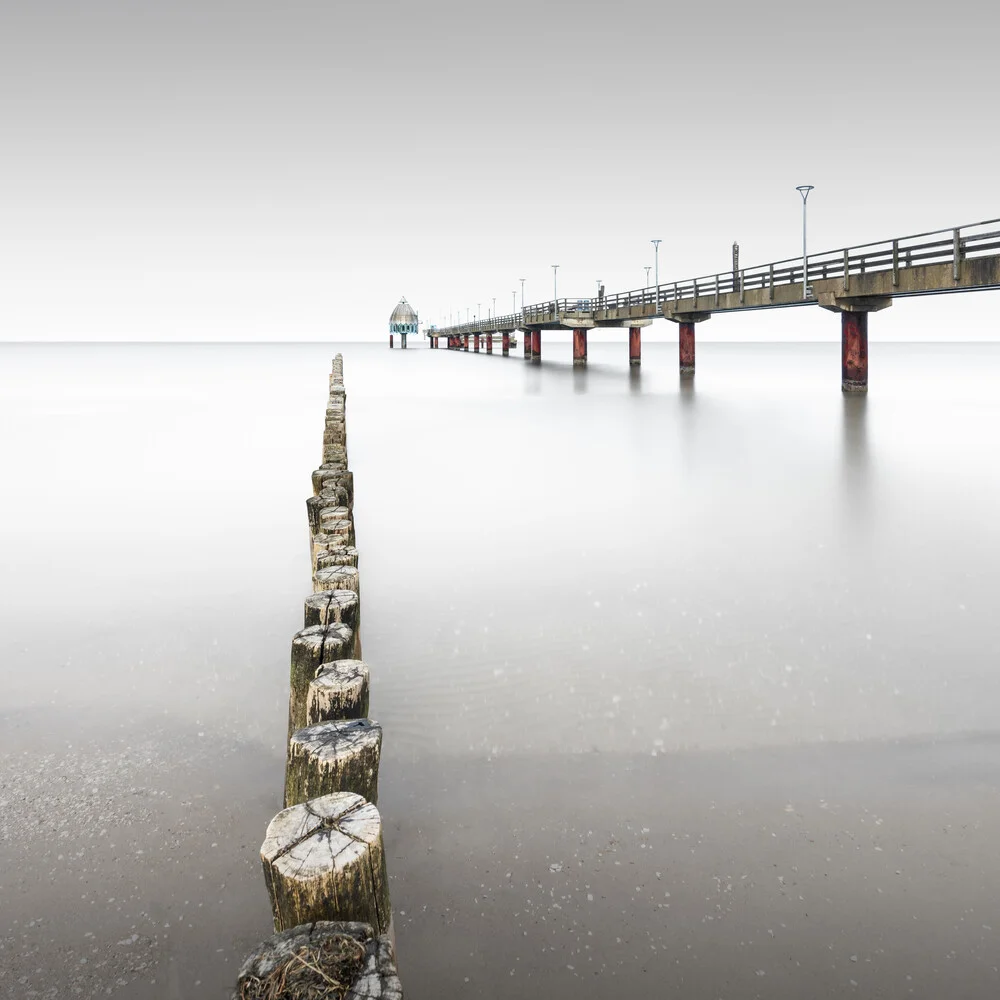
(949, 246)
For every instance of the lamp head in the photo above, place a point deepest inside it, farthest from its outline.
(804, 190)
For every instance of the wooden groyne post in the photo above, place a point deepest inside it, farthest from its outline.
(322, 856)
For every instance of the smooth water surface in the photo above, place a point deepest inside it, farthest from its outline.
(688, 687)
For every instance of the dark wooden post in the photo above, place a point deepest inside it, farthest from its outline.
(506, 345)
(489, 343)
(580, 347)
(536, 345)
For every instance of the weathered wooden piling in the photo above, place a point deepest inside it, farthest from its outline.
(324, 860)
(311, 647)
(505, 344)
(536, 345)
(580, 346)
(339, 755)
(331, 553)
(343, 577)
(340, 690)
(308, 958)
(330, 606)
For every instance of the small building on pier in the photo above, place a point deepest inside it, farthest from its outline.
(403, 321)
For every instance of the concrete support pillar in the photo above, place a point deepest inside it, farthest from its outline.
(489, 343)
(635, 345)
(506, 345)
(536, 345)
(580, 347)
(686, 344)
(527, 344)
(854, 351)
(390, 341)
(476, 346)
(402, 337)
(465, 338)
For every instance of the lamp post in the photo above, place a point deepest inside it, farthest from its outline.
(804, 190)
(494, 307)
(649, 267)
(656, 263)
(513, 302)
(522, 293)
(555, 287)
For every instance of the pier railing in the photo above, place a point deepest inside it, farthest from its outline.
(942, 246)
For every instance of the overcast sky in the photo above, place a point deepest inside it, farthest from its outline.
(198, 169)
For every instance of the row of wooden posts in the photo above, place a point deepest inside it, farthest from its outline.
(323, 856)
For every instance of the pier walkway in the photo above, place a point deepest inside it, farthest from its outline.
(853, 281)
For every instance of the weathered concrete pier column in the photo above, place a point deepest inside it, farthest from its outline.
(854, 351)
(685, 337)
(580, 346)
(536, 345)
(685, 332)
(527, 344)
(402, 337)
(506, 345)
(390, 341)
(635, 345)
(854, 335)
(476, 338)
(489, 343)
(465, 338)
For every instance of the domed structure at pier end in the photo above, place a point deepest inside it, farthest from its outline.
(404, 321)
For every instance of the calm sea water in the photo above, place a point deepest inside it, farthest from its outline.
(687, 688)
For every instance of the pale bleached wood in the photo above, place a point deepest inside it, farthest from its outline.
(311, 647)
(336, 578)
(330, 606)
(340, 755)
(324, 860)
(340, 690)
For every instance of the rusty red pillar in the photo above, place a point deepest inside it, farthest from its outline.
(854, 351)
(527, 344)
(465, 337)
(506, 345)
(390, 340)
(489, 343)
(579, 347)
(686, 344)
(536, 345)
(635, 345)
(476, 347)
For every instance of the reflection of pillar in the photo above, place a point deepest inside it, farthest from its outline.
(476, 348)
(580, 347)
(635, 345)
(390, 340)
(686, 344)
(489, 343)
(506, 344)
(854, 351)
(465, 338)
(536, 345)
